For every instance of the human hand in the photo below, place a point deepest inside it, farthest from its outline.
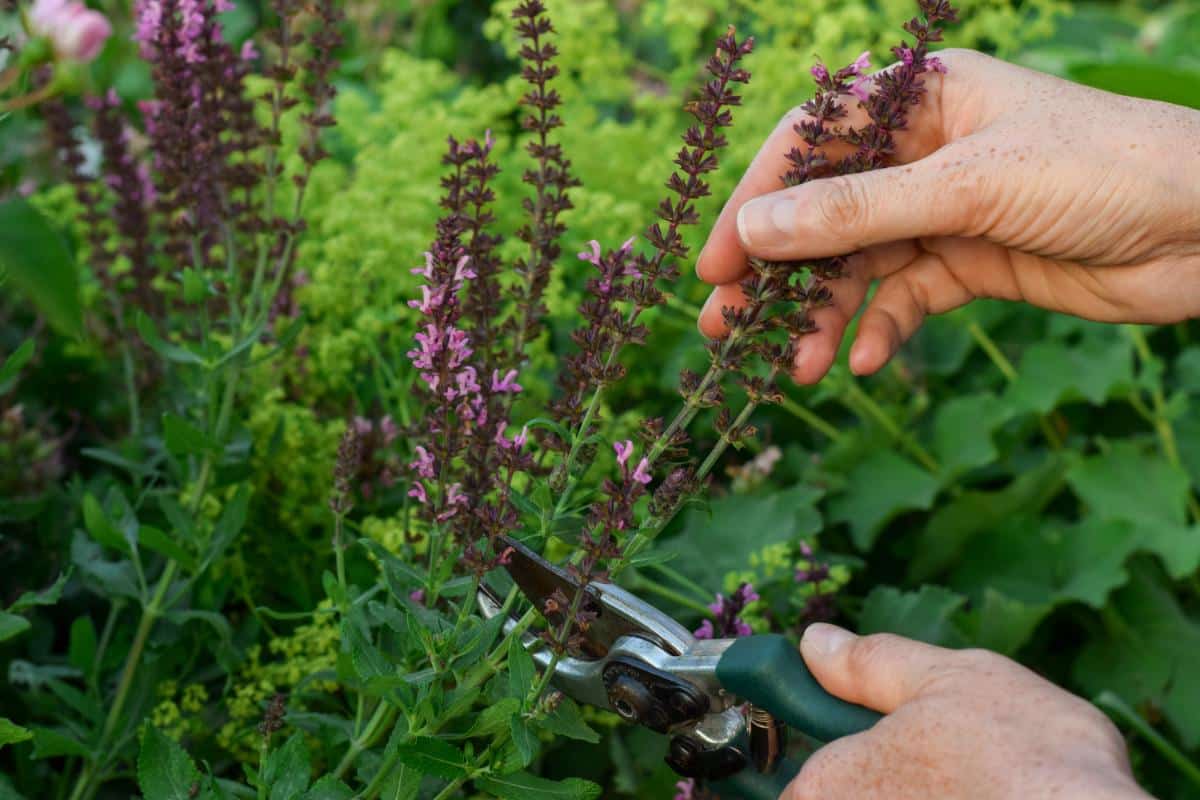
(960, 725)
(1012, 185)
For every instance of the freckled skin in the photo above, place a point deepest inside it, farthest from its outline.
(960, 725)
(1016, 185)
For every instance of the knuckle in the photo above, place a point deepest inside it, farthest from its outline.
(843, 205)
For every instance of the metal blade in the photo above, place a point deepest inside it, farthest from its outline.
(618, 613)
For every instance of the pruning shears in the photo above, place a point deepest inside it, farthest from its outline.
(726, 703)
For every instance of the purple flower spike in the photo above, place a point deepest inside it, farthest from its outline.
(624, 451)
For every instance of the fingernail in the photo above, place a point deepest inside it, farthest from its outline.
(824, 641)
(767, 221)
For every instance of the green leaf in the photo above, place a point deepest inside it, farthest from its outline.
(523, 739)
(924, 614)
(227, 527)
(1147, 653)
(171, 352)
(521, 672)
(159, 541)
(82, 649)
(11, 733)
(369, 662)
(1126, 484)
(1051, 373)
(435, 757)
(164, 770)
(523, 786)
(13, 364)
(1170, 83)
(878, 489)
(101, 528)
(46, 597)
(1187, 370)
(963, 429)
(955, 524)
(12, 625)
(493, 719)
(1001, 623)
(38, 263)
(287, 770)
(49, 743)
(328, 788)
(567, 720)
(713, 541)
(185, 439)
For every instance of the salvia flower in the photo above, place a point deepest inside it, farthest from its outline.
(727, 612)
(77, 33)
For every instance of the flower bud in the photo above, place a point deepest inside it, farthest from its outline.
(77, 32)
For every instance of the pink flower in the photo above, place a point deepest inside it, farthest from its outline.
(820, 73)
(862, 63)
(418, 491)
(685, 789)
(249, 53)
(77, 32)
(642, 473)
(387, 426)
(705, 631)
(423, 464)
(861, 89)
(624, 451)
(935, 64)
(508, 384)
(594, 256)
(417, 596)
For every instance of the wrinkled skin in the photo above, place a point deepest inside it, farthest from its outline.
(1012, 184)
(960, 725)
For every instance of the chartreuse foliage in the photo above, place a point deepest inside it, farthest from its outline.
(1014, 481)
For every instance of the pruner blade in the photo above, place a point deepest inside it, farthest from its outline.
(617, 612)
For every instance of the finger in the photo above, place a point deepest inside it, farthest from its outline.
(940, 195)
(712, 318)
(722, 259)
(882, 671)
(905, 298)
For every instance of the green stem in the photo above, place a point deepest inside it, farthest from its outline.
(988, 345)
(865, 404)
(1115, 707)
(811, 418)
(380, 721)
(643, 585)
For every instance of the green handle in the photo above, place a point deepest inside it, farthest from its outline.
(769, 672)
(751, 785)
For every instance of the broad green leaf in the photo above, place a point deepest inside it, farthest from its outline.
(1042, 562)
(523, 739)
(433, 757)
(713, 541)
(159, 541)
(185, 439)
(82, 649)
(1127, 484)
(12, 625)
(101, 528)
(38, 263)
(11, 733)
(1187, 369)
(228, 526)
(521, 672)
(368, 661)
(924, 614)
(48, 743)
(963, 429)
(14, 363)
(1146, 653)
(46, 597)
(164, 770)
(523, 786)
(287, 770)
(171, 352)
(328, 788)
(1051, 373)
(878, 489)
(493, 719)
(567, 720)
(1002, 624)
(1139, 77)
(954, 525)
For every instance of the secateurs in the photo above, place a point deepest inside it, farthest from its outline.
(725, 703)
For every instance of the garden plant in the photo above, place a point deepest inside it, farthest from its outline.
(308, 307)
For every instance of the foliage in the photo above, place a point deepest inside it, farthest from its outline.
(1014, 481)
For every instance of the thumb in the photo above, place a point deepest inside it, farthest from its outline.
(882, 671)
(940, 195)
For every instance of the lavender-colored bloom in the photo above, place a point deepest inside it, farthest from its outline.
(417, 596)
(705, 631)
(642, 473)
(685, 789)
(418, 491)
(624, 451)
(506, 385)
(77, 32)
(819, 72)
